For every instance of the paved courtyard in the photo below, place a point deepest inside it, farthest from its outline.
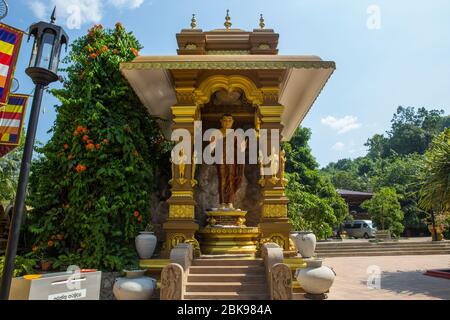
(401, 278)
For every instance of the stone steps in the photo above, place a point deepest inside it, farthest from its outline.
(227, 262)
(226, 278)
(225, 269)
(342, 249)
(321, 245)
(242, 287)
(382, 248)
(381, 253)
(221, 277)
(225, 296)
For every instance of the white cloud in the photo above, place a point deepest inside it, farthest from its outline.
(342, 125)
(338, 146)
(130, 4)
(75, 13)
(38, 9)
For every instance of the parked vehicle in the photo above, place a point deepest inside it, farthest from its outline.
(360, 229)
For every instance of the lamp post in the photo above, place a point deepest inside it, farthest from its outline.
(48, 41)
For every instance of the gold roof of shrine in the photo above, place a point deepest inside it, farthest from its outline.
(253, 54)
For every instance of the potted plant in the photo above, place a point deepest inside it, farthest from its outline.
(146, 242)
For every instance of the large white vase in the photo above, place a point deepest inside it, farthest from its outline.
(145, 244)
(135, 286)
(315, 279)
(305, 242)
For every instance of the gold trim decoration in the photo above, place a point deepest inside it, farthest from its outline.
(193, 167)
(271, 113)
(239, 230)
(292, 245)
(235, 52)
(184, 114)
(284, 181)
(195, 246)
(183, 211)
(185, 96)
(273, 193)
(175, 239)
(270, 94)
(227, 65)
(261, 21)
(261, 181)
(193, 22)
(228, 83)
(226, 213)
(227, 23)
(277, 238)
(275, 210)
(274, 180)
(183, 193)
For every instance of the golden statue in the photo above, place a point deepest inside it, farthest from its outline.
(274, 166)
(181, 160)
(284, 181)
(194, 160)
(261, 169)
(230, 175)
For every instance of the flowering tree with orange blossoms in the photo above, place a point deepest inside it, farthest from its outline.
(90, 189)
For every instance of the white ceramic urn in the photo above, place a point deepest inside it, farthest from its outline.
(134, 286)
(315, 279)
(305, 242)
(145, 244)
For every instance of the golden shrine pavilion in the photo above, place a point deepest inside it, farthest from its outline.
(240, 73)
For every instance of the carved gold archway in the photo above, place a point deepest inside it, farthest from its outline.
(229, 83)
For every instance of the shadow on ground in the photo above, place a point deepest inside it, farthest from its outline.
(411, 283)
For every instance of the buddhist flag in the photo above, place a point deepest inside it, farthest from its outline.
(10, 41)
(12, 117)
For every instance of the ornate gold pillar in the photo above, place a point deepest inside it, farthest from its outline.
(181, 225)
(274, 224)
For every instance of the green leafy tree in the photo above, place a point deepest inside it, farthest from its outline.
(399, 173)
(411, 132)
(90, 189)
(313, 201)
(385, 210)
(434, 176)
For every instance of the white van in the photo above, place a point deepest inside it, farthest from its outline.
(360, 229)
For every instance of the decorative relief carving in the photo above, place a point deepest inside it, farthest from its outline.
(270, 95)
(281, 280)
(284, 181)
(185, 96)
(274, 210)
(184, 211)
(192, 241)
(175, 239)
(231, 230)
(181, 158)
(193, 167)
(261, 180)
(229, 65)
(277, 238)
(172, 282)
(190, 46)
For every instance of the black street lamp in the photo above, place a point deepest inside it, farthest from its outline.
(48, 41)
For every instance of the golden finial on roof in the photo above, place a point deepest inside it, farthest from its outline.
(261, 21)
(193, 22)
(227, 23)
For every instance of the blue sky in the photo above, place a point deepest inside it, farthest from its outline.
(388, 53)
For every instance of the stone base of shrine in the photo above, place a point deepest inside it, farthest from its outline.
(229, 240)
